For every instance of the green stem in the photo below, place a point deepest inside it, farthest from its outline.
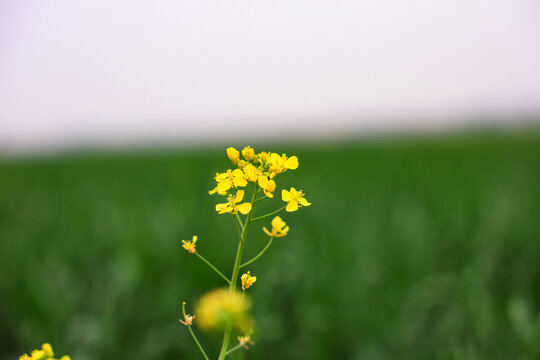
(259, 254)
(261, 198)
(236, 270)
(213, 267)
(272, 213)
(237, 225)
(233, 349)
(192, 333)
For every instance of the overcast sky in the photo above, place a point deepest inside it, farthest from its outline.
(119, 71)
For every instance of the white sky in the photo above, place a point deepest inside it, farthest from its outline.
(119, 71)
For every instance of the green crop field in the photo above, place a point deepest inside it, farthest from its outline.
(424, 248)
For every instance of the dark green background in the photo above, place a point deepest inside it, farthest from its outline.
(417, 248)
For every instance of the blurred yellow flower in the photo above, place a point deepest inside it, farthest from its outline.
(47, 348)
(247, 280)
(248, 153)
(190, 245)
(245, 340)
(25, 357)
(222, 308)
(279, 228)
(232, 206)
(294, 199)
(268, 186)
(37, 354)
(233, 155)
(65, 357)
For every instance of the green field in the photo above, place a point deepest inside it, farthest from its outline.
(424, 248)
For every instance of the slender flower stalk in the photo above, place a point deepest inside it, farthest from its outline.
(227, 309)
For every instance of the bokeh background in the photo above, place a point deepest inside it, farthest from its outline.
(416, 126)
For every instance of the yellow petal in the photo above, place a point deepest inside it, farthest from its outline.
(292, 206)
(220, 207)
(268, 193)
(224, 185)
(239, 182)
(244, 208)
(266, 231)
(239, 196)
(286, 195)
(303, 202)
(263, 181)
(292, 163)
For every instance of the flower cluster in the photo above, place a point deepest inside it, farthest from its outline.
(45, 353)
(260, 170)
(227, 310)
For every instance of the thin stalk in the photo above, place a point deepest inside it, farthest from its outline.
(270, 214)
(236, 270)
(261, 198)
(233, 349)
(213, 267)
(192, 333)
(259, 254)
(237, 225)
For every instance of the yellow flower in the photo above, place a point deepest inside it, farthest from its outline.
(262, 157)
(247, 280)
(245, 340)
(227, 179)
(233, 155)
(279, 228)
(221, 308)
(65, 357)
(279, 164)
(47, 348)
(268, 186)
(188, 320)
(25, 357)
(232, 206)
(251, 173)
(248, 153)
(294, 199)
(37, 354)
(190, 245)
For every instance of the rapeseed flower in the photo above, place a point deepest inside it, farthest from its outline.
(279, 164)
(294, 199)
(232, 206)
(37, 354)
(25, 357)
(227, 180)
(233, 155)
(279, 228)
(245, 340)
(47, 348)
(188, 320)
(268, 186)
(248, 153)
(190, 245)
(221, 308)
(247, 280)
(251, 173)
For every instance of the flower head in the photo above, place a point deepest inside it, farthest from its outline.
(25, 357)
(232, 206)
(279, 228)
(233, 155)
(221, 308)
(37, 354)
(279, 164)
(294, 199)
(47, 348)
(251, 173)
(247, 280)
(190, 245)
(245, 340)
(188, 320)
(227, 180)
(248, 153)
(268, 186)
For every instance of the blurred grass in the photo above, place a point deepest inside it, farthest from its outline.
(424, 248)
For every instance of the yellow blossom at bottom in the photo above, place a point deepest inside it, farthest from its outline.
(221, 308)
